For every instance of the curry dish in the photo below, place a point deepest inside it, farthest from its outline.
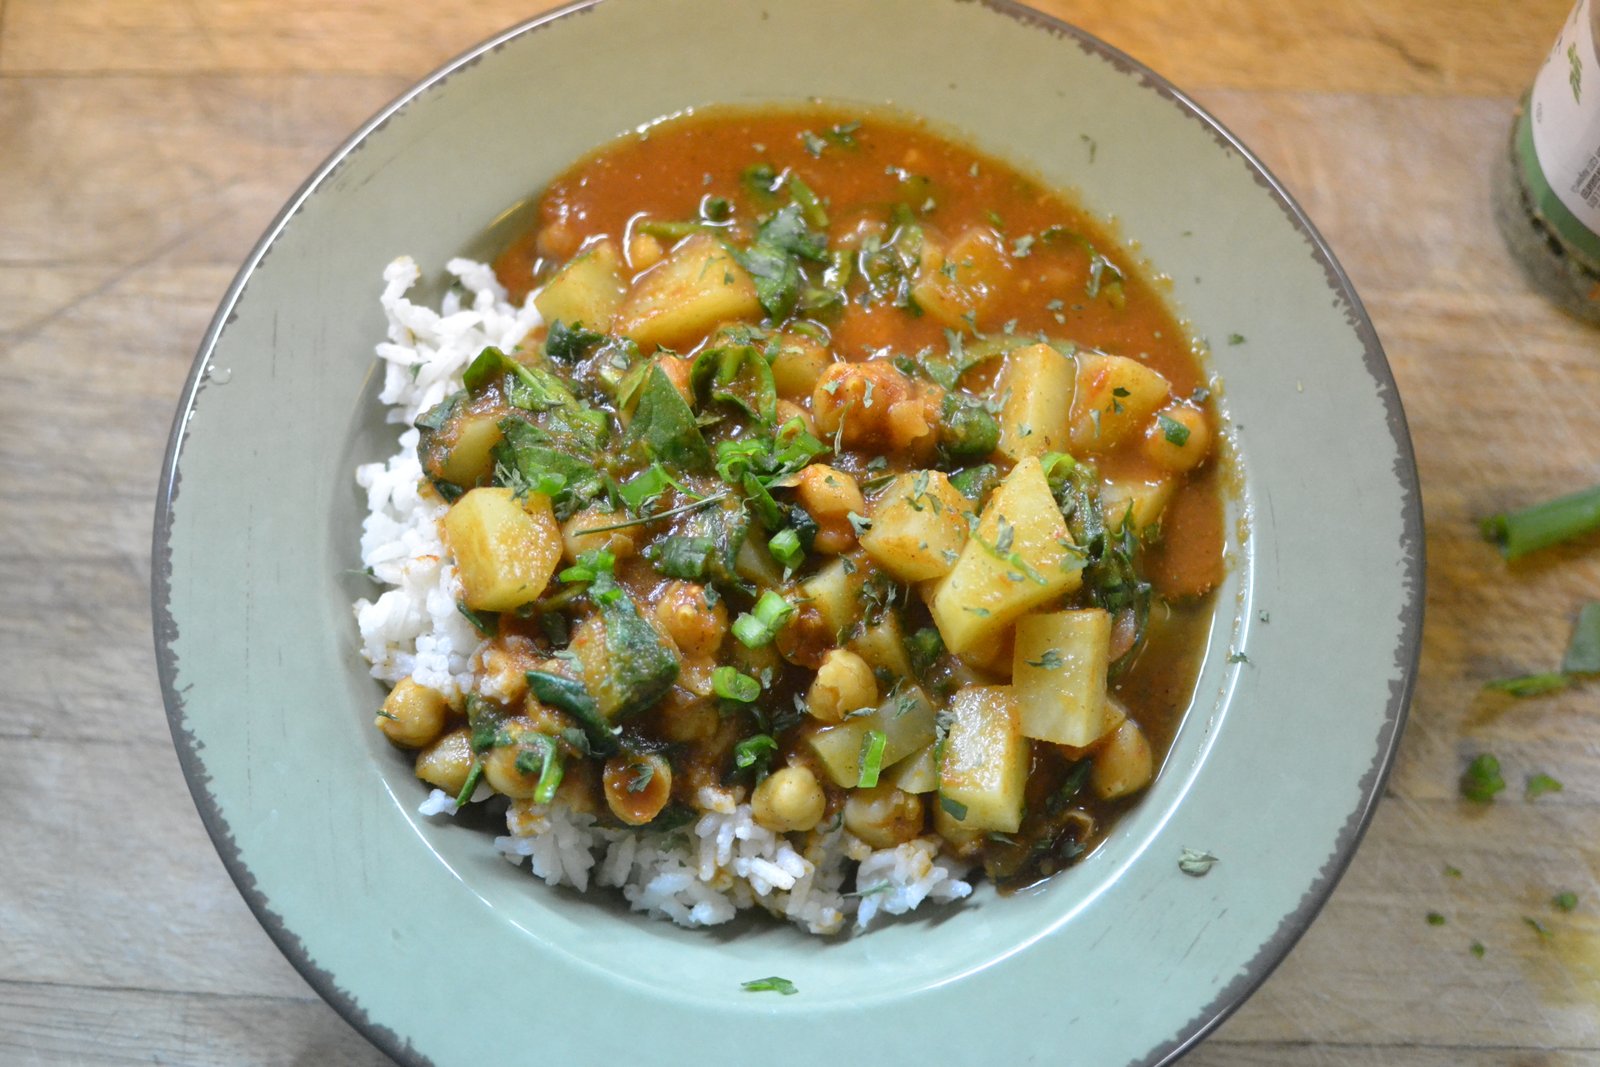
(849, 474)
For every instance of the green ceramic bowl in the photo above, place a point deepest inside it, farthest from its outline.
(440, 951)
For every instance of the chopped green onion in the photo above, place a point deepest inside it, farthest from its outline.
(1542, 525)
(731, 684)
(786, 548)
(757, 628)
(754, 750)
(770, 985)
(1481, 780)
(871, 758)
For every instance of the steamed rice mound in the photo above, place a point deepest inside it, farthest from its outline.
(701, 874)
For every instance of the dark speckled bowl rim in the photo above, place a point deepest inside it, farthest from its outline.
(1407, 652)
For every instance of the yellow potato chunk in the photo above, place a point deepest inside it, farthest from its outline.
(1059, 674)
(835, 592)
(882, 645)
(919, 526)
(908, 722)
(588, 290)
(1035, 385)
(505, 550)
(917, 773)
(1116, 396)
(469, 458)
(985, 765)
(1138, 502)
(1018, 559)
(698, 287)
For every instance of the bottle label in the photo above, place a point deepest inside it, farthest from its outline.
(1565, 116)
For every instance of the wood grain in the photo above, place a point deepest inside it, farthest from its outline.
(145, 143)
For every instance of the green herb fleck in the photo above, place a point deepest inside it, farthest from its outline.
(1435, 919)
(1565, 901)
(872, 746)
(1196, 863)
(1540, 784)
(770, 985)
(1481, 780)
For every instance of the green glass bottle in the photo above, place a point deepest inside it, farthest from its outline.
(1547, 199)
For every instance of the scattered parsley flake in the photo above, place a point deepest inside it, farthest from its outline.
(1452, 872)
(1236, 338)
(1565, 901)
(1537, 927)
(1477, 949)
(1481, 780)
(1540, 784)
(1049, 660)
(1435, 919)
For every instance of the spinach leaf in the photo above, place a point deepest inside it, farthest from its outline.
(664, 427)
(774, 260)
(739, 375)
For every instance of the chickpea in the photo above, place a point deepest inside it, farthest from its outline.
(789, 799)
(797, 365)
(447, 762)
(684, 718)
(884, 816)
(695, 625)
(506, 663)
(413, 715)
(637, 787)
(844, 683)
(1183, 423)
(788, 409)
(829, 496)
(500, 768)
(644, 252)
(576, 540)
(1123, 763)
(558, 240)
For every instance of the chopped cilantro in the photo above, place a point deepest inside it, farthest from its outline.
(1481, 780)
(1540, 784)
(1435, 919)
(953, 808)
(1049, 660)
(1565, 901)
(732, 684)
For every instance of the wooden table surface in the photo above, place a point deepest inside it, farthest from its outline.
(144, 144)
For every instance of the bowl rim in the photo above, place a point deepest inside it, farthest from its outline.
(1411, 546)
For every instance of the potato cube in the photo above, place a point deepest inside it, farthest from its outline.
(698, 287)
(955, 285)
(1019, 558)
(835, 592)
(917, 773)
(909, 724)
(1116, 396)
(883, 645)
(505, 550)
(919, 526)
(1059, 674)
(985, 765)
(1138, 502)
(468, 455)
(1035, 386)
(588, 289)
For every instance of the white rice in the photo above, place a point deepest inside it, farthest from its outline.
(700, 875)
